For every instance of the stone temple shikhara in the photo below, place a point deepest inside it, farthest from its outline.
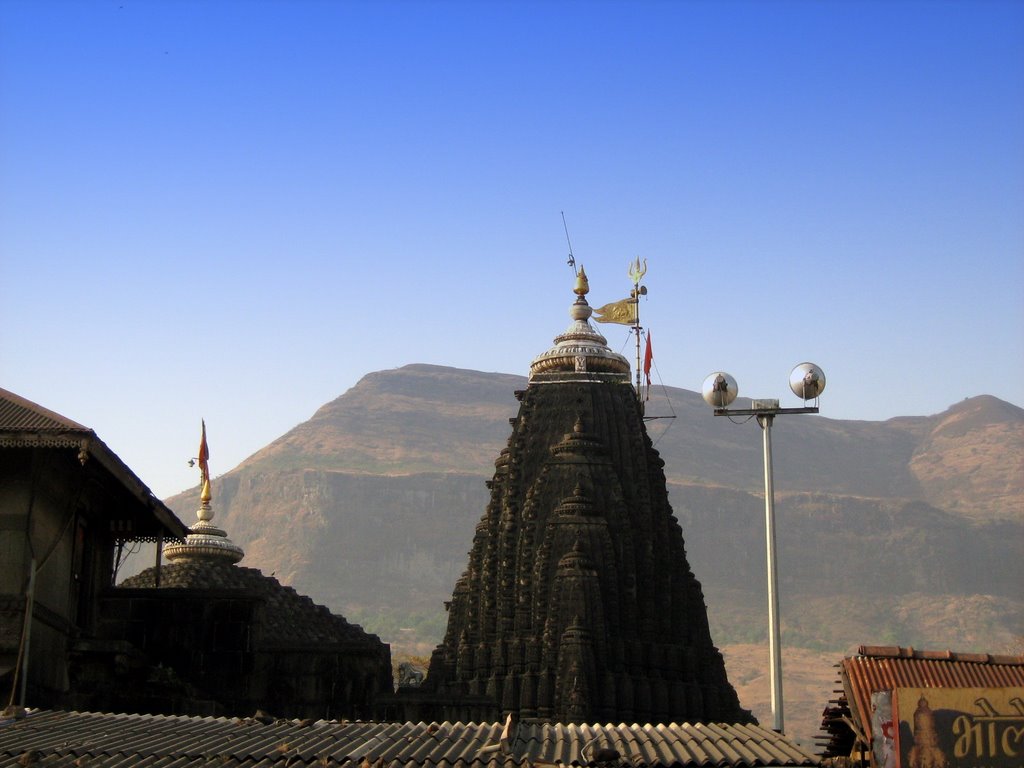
(578, 604)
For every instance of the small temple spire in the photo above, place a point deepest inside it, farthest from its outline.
(206, 541)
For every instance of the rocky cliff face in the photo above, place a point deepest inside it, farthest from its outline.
(355, 541)
(421, 419)
(971, 461)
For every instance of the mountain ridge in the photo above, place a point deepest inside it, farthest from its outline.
(383, 425)
(888, 532)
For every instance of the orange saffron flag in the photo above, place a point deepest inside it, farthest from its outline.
(204, 455)
(648, 357)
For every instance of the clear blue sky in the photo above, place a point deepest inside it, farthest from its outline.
(235, 210)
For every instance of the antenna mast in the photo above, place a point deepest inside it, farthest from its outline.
(572, 259)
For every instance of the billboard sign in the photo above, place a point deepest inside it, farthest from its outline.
(959, 727)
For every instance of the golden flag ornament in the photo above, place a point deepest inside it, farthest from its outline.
(622, 312)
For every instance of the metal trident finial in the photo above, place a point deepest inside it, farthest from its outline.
(637, 272)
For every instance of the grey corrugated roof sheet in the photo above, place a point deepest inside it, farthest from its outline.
(19, 413)
(51, 738)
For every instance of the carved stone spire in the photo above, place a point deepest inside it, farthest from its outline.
(578, 604)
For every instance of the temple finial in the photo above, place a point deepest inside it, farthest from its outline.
(204, 512)
(637, 271)
(206, 541)
(582, 287)
(580, 350)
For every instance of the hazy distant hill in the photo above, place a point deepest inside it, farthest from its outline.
(423, 418)
(908, 531)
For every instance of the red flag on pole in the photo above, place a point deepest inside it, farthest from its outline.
(204, 453)
(648, 357)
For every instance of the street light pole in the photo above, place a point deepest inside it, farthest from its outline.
(720, 389)
(774, 633)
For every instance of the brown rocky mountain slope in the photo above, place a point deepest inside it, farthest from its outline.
(908, 531)
(972, 460)
(422, 418)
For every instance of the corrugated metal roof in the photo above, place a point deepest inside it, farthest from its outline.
(49, 738)
(17, 414)
(883, 668)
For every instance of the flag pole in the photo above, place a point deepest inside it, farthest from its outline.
(636, 329)
(636, 273)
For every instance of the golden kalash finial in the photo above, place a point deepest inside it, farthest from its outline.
(582, 287)
(205, 541)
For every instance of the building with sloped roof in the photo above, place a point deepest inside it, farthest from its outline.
(578, 603)
(68, 507)
(861, 724)
(75, 739)
(198, 635)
